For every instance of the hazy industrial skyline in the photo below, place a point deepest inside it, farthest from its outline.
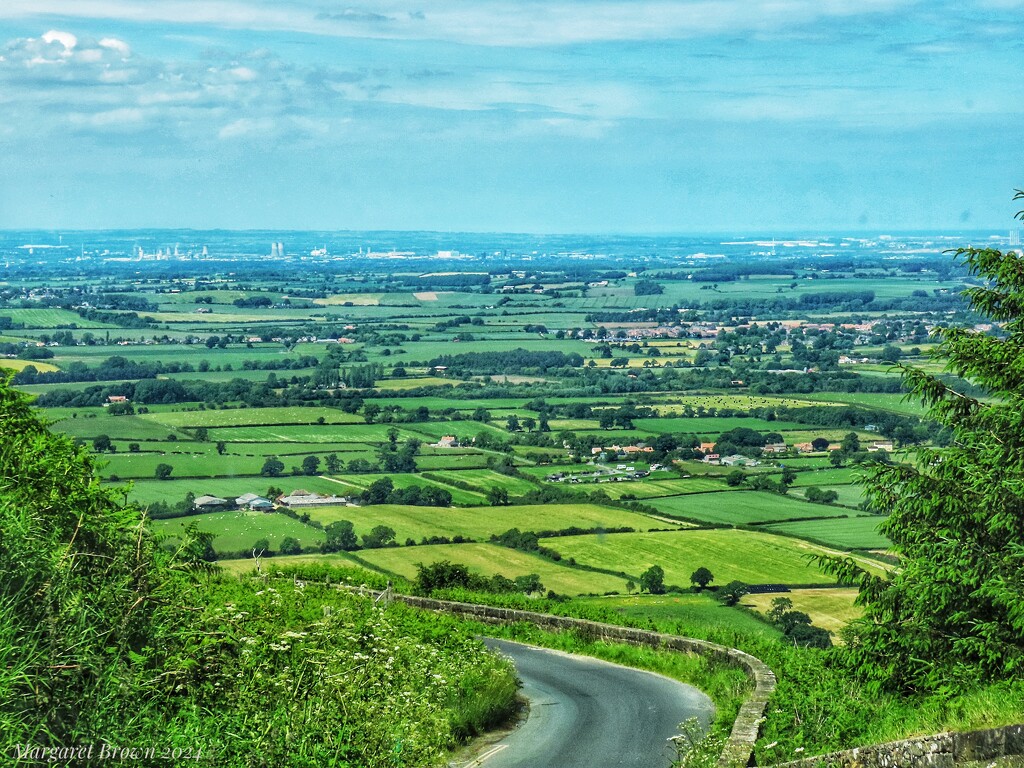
(562, 116)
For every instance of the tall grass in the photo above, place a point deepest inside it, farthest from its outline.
(106, 638)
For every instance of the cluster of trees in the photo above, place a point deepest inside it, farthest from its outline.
(273, 467)
(459, 320)
(395, 414)
(253, 302)
(653, 580)
(395, 458)
(383, 491)
(797, 626)
(648, 288)
(209, 394)
(819, 496)
(510, 361)
(450, 280)
(525, 541)
(724, 309)
(444, 575)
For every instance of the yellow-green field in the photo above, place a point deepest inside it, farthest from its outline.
(355, 299)
(489, 559)
(748, 556)
(482, 522)
(831, 609)
(413, 383)
(270, 564)
(240, 417)
(691, 609)
(18, 365)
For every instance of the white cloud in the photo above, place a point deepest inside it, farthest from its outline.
(114, 44)
(124, 117)
(66, 39)
(848, 107)
(244, 73)
(248, 127)
(266, 128)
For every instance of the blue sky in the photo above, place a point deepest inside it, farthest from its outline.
(493, 115)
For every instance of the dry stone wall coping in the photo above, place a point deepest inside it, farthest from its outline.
(944, 750)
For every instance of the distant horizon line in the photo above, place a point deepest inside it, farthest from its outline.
(759, 233)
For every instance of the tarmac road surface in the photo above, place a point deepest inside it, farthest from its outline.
(586, 713)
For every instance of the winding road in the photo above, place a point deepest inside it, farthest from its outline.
(586, 713)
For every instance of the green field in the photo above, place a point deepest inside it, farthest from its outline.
(185, 463)
(710, 427)
(355, 483)
(483, 479)
(327, 433)
(448, 459)
(842, 533)
(840, 476)
(237, 531)
(93, 422)
(880, 401)
(50, 318)
(748, 556)
(247, 565)
(718, 399)
(689, 610)
(481, 523)
(489, 559)
(145, 492)
(414, 382)
(649, 489)
(239, 417)
(742, 507)
(849, 495)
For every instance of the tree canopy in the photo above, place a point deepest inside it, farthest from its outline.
(953, 611)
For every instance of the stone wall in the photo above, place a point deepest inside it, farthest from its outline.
(739, 749)
(945, 750)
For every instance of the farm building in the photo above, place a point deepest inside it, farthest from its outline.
(210, 503)
(303, 498)
(736, 460)
(254, 501)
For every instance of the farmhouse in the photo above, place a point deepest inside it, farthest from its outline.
(622, 450)
(881, 446)
(772, 448)
(630, 449)
(448, 441)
